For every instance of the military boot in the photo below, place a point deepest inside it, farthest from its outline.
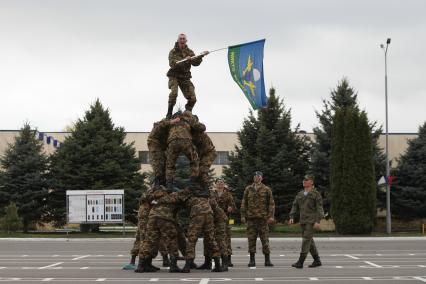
(166, 261)
(317, 261)
(169, 112)
(187, 267)
(224, 262)
(193, 265)
(252, 262)
(173, 265)
(207, 263)
(143, 266)
(149, 263)
(299, 263)
(217, 266)
(170, 186)
(230, 264)
(268, 260)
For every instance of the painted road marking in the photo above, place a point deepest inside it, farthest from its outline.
(204, 280)
(80, 257)
(47, 279)
(100, 279)
(313, 278)
(367, 278)
(49, 266)
(258, 279)
(154, 279)
(85, 267)
(373, 264)
(351, 256)
(420, 278)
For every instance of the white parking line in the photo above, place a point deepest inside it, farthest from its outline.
(313, 278)
(351, 256)
(154, 279)
(85, 267)
(100, 279)
(47, 279)
(373, 264)
(80, 257)
(49, 266)
(258, 279)
(204, 280)
(367, 278)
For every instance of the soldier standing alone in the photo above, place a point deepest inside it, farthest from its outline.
(308, 203)
(258, 208)
(180, 73)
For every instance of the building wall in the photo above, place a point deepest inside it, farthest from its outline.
(223, 141)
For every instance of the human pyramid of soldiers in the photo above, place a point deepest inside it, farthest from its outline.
(159, 229)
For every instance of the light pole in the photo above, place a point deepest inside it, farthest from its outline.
(388, 211)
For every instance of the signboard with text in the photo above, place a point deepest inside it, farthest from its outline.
(95, 206)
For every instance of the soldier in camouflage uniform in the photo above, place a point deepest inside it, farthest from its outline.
(308, 203)
(157, 145)
(180, 73)
(179, 142)
(206, 153)
(220, 224)
(258, 208)
(225, 201)
(201, 221)
(161, 225)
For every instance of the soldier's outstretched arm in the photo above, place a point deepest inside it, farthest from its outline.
(196, 61)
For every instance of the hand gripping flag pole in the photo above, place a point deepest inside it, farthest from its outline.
(202, 54)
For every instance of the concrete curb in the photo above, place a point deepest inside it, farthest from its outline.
(317, 239)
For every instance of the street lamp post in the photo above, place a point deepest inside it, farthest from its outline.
(388, 211)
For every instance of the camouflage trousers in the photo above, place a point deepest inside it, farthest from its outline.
(174, 149)
(201, 224)
(139, 240)
(158, 163)
(220, 238)
(308, 244)
(258, 227)
(159, 229)
(181, 240)
(205, 163)
(187, 89)
(228, 239)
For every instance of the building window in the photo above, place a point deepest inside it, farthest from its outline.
(222, 158)
(144, 157)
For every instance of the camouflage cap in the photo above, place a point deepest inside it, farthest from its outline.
(258, 173)
(309, 177)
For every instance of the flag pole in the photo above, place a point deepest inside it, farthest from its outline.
(184, 60)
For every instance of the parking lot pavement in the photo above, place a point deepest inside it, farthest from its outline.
(353, 260)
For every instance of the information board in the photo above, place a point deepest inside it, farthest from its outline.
(95, 206)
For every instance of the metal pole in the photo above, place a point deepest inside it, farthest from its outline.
(388, 205)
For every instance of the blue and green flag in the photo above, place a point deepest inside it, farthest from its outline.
(246, 65)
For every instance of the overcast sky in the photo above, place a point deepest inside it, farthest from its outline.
(57, 57)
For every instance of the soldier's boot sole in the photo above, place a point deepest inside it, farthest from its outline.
(315, 264)
(297, 265)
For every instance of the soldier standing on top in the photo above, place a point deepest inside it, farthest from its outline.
(180, 73)
(258, 208)
(308, 203)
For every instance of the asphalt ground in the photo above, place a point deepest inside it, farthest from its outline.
(349, 260)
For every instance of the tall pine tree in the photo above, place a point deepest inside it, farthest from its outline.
(408, 193)
(94, 156)
(353, 186)
(342, 97)
(268, 144)
(23, 178)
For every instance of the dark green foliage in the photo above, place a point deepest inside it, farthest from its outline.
(408, 195)
(342, 97)
(268, 144)
(24, 177)
(94, 156)
(353, 186)
(11, 221)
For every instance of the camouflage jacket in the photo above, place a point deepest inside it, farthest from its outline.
(165, 209)
(203, 143)
(182, 70)
(183, 129)
(157, 139)
(309, 207)
(219, 214)
(257, 202)
(225, 200)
